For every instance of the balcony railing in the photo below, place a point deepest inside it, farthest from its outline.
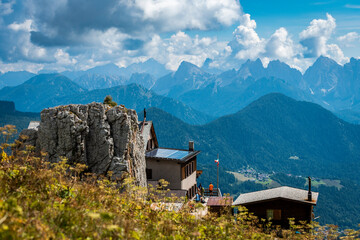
(215, 192)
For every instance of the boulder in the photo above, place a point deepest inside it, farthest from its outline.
(102, 137)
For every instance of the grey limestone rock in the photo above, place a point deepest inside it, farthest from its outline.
(104, 138)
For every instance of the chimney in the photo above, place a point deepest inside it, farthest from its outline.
(309, 192)
(191, 145)
(143, 123)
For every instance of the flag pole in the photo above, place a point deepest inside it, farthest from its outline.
(218, 175)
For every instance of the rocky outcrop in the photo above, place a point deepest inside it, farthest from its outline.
(104, 138)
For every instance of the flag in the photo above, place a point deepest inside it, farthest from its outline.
(217, 162)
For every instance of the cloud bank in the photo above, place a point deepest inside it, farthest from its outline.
(73, 35)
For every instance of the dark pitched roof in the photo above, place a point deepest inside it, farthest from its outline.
(288, 193)
(146, 128)
(171, 154)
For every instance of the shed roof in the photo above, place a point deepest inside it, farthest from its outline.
(34, 125)
(171, 154)
(288, 193)
(219, 201)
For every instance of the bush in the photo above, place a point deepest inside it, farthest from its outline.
(109, 101)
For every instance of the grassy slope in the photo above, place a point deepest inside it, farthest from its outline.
(42, 203)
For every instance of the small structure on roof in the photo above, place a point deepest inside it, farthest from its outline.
(219, 205)
(176, 166)
(280, 204)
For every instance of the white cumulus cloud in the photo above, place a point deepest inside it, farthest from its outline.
(189, 14)
(314, 38)
(280, 45)
(349, 39)
(25, 26)
(246, 43)
(181, 47)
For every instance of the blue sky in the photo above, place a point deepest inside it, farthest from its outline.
(79, 34)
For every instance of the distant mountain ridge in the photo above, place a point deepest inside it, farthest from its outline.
(37, 92)
(216, 94)
(335, 87)
(14, 78)
(188, 77)
(49, 90)
(151, 66)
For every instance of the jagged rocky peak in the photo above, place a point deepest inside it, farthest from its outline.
(104, 138)
(187, 68)
(325, 63)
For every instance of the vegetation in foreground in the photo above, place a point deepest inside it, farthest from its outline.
(40, 200)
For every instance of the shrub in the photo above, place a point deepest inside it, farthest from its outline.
(109, 101)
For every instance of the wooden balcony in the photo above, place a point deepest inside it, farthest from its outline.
(215, 193)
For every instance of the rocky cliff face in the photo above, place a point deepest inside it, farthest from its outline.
(104, 138)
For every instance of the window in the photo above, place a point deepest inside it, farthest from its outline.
(148, 173)
(274, 214)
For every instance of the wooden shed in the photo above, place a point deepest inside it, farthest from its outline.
(280, 204)
(220, 205)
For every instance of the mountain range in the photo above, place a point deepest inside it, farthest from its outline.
(151, 66)
(215, 93)
(49, 90)
(327, 83)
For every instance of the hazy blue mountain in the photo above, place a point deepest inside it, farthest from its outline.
(274, 133)
(187, 77)
(218, 101)
(333, 86)
(151, 66)
(14, 78)
(283, 71)
(227, 77)
(351, 116)
(107, 69)
(136, 97)
(49, 90)
(99, 81)
(9, 115)
(323, 76)
(232, 90)
(144, 79)
(37, 92)
(254, 69)
(72, 74)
